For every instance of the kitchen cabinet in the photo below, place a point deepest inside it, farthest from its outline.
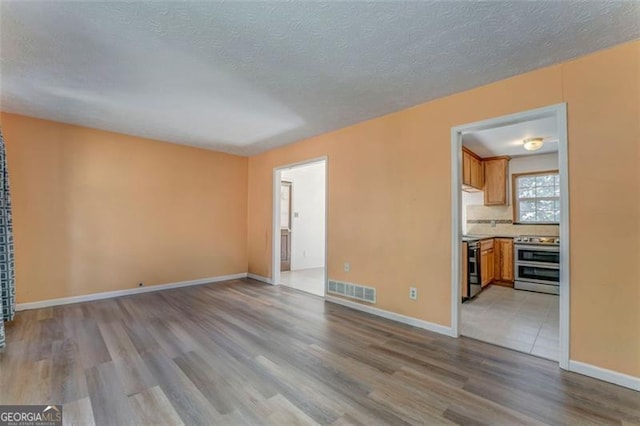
(472, 171)
(466, 168)
(487, 262)
(503, 260)
(496, 172)
(477, 173)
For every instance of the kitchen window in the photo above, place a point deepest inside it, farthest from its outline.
(536, 198)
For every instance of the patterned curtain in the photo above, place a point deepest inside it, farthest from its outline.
(7, 274)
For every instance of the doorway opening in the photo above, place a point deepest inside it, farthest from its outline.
(510, 232)
(286, 223)
(299, 251)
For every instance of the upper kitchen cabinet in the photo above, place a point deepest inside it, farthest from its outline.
(496, 172)
(472, 171)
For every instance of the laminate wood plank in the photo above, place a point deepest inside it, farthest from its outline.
(322, 387)
(36, 385)
(186, 399)
(412, 408)
(78, 413)
(462, 419)
(364, 355)
(214, 388)
(302, 392)
(348, 366)
(17, 329)
(458, 402)
(39, 339)
(118, 342)
(348, 420)
(102, 311)
(12, 365)
(69, 317)
(68, 381)
(251, 406)
(109, 401)
(152, 407)
(324, 371)
(242, 352)
(141, 337)
(364, 408)
(91, 347)
(16, 386)
(52, 328)
(558, 408)
(134, 375)
(285, 413)
(169, 343)
(131, 369)
(429, 368)
(214, 355)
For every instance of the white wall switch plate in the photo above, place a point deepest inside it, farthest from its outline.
(347, 267)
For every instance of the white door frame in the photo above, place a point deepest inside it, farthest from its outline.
(560, 112)
(275, 230)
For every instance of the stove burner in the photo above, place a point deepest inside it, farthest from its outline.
(531, 239)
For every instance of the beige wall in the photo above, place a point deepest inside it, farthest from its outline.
(98, 211)
(389, 198)
(603, 96)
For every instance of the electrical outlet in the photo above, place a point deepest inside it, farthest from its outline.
(493, 223)
(413, 293)
(347, 267)
(140, 284)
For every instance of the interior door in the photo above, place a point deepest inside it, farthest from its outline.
(285, 226)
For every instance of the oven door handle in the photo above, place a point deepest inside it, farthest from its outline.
(538, 264)
(554, 249)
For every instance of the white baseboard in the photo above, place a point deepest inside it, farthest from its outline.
(610, 376)
(260, 278)
(127, 292)
(415, 322)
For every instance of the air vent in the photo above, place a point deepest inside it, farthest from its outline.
(353, 291)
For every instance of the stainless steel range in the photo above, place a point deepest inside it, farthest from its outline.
(537, 264)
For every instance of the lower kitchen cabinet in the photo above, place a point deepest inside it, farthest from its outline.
(496, 261)
(487, 262)
(503, 260)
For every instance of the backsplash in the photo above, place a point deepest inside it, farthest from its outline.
(479, 220)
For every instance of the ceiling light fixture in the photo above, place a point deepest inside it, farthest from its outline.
(533, 144)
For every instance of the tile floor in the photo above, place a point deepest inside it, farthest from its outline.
(309, 280)
(515, 319)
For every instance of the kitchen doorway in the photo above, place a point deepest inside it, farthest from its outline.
(299, 251)
(510, 232)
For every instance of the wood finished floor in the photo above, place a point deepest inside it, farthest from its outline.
(241, 352)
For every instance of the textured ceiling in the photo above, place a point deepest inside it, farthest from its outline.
(244, 77)
(508, 140)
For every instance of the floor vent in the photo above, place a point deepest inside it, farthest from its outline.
(353, 291)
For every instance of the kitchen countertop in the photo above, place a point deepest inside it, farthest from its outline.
(472, 238)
